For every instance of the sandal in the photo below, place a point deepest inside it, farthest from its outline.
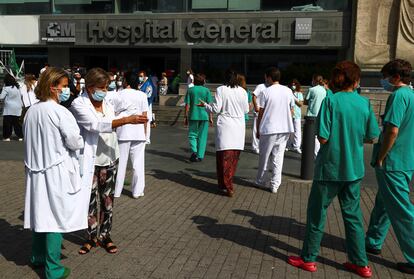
(109, 246)
(87, 246)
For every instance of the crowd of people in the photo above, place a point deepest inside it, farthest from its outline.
(79, 132)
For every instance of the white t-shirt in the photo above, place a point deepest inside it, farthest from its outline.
(277, 102)
(258, 91)
(190, 81)
(107, 150)
(139, 100)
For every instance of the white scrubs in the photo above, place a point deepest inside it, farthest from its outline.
(255, 141)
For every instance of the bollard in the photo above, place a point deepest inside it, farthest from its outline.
(308, 148)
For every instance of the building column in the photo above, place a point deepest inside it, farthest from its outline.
(59, 56)
(185, 61)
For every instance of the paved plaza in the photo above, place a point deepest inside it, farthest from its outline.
(183, 228)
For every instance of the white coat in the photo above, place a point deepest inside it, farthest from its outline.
(91, 125)
(231, 105)
(53, 182)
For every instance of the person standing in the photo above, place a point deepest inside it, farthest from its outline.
(12, 108)
(131, 140)
(314, 100)
(393, 159)
(197, 118)
(53, 181)
(345, 122)
(230, 105)
(145, 85)
(295, 139)
(163, 84)
(27, 91)
(190, 78)
(241, 79)
(276, 102)
(96, 117)
(256, 100)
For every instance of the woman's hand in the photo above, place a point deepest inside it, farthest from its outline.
(201, 104)
(137, 119)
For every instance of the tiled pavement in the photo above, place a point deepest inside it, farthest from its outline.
(183, 229)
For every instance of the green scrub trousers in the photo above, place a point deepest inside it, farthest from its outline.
(46, 248)
(393, 206)
(197, 135)
(321, 196)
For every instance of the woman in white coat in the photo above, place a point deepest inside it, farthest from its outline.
(53, 183)
(231, 104)
(96, 117)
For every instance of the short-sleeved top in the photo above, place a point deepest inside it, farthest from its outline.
(329, 92)
(315, 97)
(193, 97)
(297, 111)
(12, 100)
(258, 91)
(277, 102)
(399, 112)
(249, 99)
(345, 120)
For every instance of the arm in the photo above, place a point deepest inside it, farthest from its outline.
(389, 137)
(3, 93)
(255, 105)
(259, 119)
(70, 131)
(217, 105)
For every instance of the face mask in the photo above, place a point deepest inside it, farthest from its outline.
(141, 79)
(385, 83)
(64, 94)
(99, 95)
(293, 87)
(188, 73)
(119, 83)
(112, 85)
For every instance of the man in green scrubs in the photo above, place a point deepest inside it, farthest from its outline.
(197, 118)
(344, 123)
(393, 158)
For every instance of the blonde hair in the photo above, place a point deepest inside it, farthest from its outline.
(51, 77)
(29, 81)
(96, 77)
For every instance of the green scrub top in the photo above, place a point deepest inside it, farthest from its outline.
(329, 92)
(193, 97)
(345, 119)
(249, 99)
(315, 98)
(399, 112)
(297, 111)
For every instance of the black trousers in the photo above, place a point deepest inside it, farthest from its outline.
(10, 123)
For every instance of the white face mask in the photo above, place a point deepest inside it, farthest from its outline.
(119, 83)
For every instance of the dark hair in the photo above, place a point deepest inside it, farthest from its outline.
(131, 80)
(318, 79)
(398, 67)
(273, 73)
(344, 75)
(9, 80)
(230, 78)
(297, 84)
(199, 79)
(142, 72)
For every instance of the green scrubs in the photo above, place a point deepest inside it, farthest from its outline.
(249, 99)
(329, 92)
(46, 248)
(345, 121)
(315, 97)
(198, 119)
(392, 204)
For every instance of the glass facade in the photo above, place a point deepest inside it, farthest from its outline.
(33, 7)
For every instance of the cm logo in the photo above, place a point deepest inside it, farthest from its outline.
(60, 29)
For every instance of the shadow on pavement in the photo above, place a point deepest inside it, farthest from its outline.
(290, 227)
(251, 238)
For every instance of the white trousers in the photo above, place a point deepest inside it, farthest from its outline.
(149, 116)
(317, 146)
(295, 139)
(137, 151)
(255, 140)
(275, 145)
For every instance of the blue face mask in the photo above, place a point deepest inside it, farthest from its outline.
(112, 85)
(64, 94)
(385, 83)
(99, 95)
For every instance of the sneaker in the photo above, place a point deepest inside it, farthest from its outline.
(20, 139)
(405, 268)
(298, 262)
(372, 251)
(8, 139)
(363, 271)
(273, 189)
(193, 158)
(138, 196)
